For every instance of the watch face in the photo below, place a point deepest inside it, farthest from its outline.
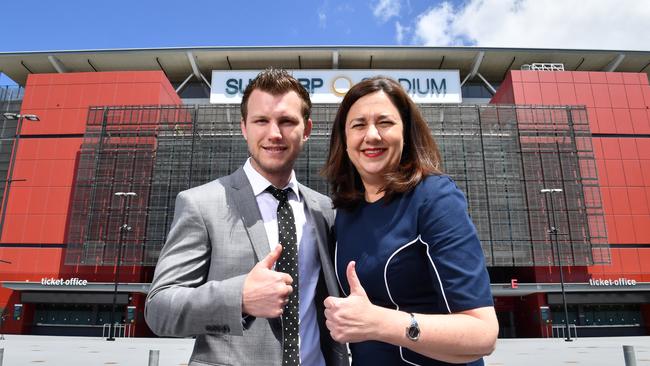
(413, 332)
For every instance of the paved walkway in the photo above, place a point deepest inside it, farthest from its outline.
(84, 351)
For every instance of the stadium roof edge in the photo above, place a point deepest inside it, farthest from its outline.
(175, 61)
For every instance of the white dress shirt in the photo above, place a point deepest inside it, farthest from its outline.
(308, 260)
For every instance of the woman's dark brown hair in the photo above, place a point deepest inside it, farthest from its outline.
(420, 156)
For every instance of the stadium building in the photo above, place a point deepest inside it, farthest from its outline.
(551, 147)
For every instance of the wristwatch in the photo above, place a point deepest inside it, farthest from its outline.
(413, 330)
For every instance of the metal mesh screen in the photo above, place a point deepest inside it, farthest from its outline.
(11, 99)
(500, 156)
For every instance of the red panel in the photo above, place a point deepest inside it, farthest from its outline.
(644, 257)
(54, 228)
(78, 78)
(630, 78)
(629, 261)
(597, 77)
(36, 96)
(594, 126)
(597, 146)
(640, 121)
(645, 171)
(38, 200)
(615, 173)
(56, 96)
(611, 148)
(641, 228)
(620, 204)
(28, 149)
(605, 120)
(529, 76)
(643, 78)
(633, 176)
(549, 92)
(30, 264)
(584, 95)
(16, 223)
(601, 95)
(602, 173)
(628, 148)
(581, 77)
(39, 79)
(618, 96)
(614, 78)
(643, 147)
(623, 121)
(518, 93)
(515, 74)
(567, 95)
(612, 237)
(615, 266)
(91, 96)
(564, 77)
(638, 201)
(126, 77)
(58, 200)
(73, 96)
(502, 96)
(33, 228)
(18, 202)
(533, 93)
(68, 147)
(646, 94)
(634, 96)
(107, 94)
(546, 77)
(625, 229)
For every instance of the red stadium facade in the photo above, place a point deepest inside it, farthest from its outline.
(41, 294)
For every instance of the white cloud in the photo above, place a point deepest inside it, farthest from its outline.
(322, 19)
(401, 32)
(386, 9)
(595, 24)
(322, 15)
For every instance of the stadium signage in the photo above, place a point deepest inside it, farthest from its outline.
(609, 282)
(61, 282)
(329, 86)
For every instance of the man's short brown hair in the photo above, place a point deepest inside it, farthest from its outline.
(276, 82)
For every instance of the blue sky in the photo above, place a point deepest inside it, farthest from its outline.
(39, 25)
(75, 24)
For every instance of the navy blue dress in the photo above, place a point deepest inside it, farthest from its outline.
(420, 254)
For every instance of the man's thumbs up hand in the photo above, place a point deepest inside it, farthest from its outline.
(266, 291)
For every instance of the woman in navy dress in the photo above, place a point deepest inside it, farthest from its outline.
(407, 257)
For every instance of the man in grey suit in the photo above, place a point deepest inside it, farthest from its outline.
(215, 277)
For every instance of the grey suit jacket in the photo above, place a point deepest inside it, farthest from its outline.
(216, 238)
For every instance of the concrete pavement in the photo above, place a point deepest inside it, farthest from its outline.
(23, 350)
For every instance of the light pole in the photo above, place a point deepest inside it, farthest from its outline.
(20, 118)
(124, 227)
(553, 232)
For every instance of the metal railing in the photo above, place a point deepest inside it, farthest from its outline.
(543, 67)
(559, 331)
(119, 330)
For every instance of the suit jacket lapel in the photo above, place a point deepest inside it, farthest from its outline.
(250, 213)
(321, 241)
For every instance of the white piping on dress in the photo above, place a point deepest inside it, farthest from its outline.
(419, 238)
(336, 267)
